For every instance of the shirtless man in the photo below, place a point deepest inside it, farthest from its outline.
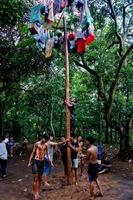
(92, 156)
(39, 151)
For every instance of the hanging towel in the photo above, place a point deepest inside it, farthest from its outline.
(49, 47)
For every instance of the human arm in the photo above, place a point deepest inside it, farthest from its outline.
(67, 103)
(32, 155)
(56, 143)
(72, 147)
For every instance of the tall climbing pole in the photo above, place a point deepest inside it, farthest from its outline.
(68, 135)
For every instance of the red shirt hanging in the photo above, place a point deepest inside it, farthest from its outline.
(80, 45)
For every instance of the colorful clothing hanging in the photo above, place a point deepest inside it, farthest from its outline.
(42, 2)
(80, 43)
(89, 39)
(35, 16)
(79, 4)
(49, 47)
(71, 43)
(42, 37)
(34, 28)
(50, 11)
(44, 12)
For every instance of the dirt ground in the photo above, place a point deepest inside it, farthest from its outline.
(117, 185)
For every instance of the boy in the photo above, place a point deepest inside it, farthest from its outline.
(39, 151)
(92, 156)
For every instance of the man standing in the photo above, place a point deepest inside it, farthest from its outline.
(92, 156)
(74, 145)
(3, 158)
(39, 151)
(49, 159)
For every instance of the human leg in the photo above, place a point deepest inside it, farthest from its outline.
(37, 170)
(91, 188)
(39, 182)
(99, 187)
(47, 171)
(0, 168)
(3, 167)
(75, 170)
(76, 175)
(36, 186)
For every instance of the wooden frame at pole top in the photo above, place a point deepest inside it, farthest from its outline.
(68, 135)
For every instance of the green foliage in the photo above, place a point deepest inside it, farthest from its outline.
(10, 12)
(33, 90)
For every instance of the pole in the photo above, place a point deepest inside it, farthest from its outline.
(69, 179)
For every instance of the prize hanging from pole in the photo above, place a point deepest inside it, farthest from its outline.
(45, 25)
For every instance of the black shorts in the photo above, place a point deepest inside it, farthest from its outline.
(38, 167)
(93, 171)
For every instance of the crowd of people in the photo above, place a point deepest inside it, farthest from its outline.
(42, 159)
(42, 156)
(7, 150)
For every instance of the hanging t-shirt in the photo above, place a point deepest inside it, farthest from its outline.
(90, 39)
(80, 43)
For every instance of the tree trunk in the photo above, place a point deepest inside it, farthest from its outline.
(131, 134)
(111, 136)
(51, 120)
(61, 116)
(124, 146)
(99, 119)
(116, 138)
(1, 118)
(107, 133)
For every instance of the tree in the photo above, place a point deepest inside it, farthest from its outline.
(123, 59)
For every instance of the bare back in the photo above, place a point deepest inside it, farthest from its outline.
(92, 153)
(40, 150)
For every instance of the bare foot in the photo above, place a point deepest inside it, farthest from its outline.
(92, 198)
(37, 196)
(98, 194)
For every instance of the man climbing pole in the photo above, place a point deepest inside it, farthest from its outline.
(72, 106)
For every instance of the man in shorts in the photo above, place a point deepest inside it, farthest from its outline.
(92, 156)
(39, 151)
(74, 145)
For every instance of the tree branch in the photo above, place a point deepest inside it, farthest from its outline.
(116, 78)
(116, 27)
(112, 44)
(95, 74)
(129, 4)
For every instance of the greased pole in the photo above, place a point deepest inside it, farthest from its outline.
(68, 135)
